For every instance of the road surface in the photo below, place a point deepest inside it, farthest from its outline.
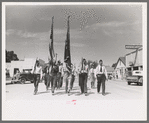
(115, 90)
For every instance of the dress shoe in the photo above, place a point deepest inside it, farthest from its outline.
(104, 94)
(35, 93)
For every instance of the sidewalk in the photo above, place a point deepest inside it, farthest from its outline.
(120, 80)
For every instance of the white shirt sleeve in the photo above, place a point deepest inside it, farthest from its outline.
(32, 69)
(105, 72)
(40, 72)
(95, 71)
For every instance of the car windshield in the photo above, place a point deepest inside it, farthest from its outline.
(27, 70)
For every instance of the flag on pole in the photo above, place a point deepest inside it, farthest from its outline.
(67, 56)
(51, 48)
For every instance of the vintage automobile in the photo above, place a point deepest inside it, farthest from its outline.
(135, 76)
(26, 75)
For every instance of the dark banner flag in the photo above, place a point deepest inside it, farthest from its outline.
(67, 56)
(51, 48)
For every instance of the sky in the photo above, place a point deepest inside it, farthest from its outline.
(96, 31)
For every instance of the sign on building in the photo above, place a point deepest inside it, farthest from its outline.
(132, 46)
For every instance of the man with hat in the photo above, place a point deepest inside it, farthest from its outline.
(101, 74)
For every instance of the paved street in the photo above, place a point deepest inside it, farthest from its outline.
(115, 90)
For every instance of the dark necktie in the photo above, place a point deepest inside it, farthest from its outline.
(48, 69)
(100, 68)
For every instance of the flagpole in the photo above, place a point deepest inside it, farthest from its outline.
(67, 56)
(51, 48)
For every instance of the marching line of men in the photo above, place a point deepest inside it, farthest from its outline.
(59, 74)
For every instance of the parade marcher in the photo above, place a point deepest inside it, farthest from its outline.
(48, 76)
(72, 76)
(101, 74)
(59, 75)
(17, 75)
(92, 76)
(54, 71)
(83, 77)
(37, 71)
(67, 77)
(62, 74)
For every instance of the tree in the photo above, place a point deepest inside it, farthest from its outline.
(11, 56)
(114, 65)
(94, 62)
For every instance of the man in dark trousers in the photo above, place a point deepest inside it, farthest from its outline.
(37, 71)
(67, 77)
(48, 76)
(101, 74)
(54, 72)
(59, 75)
(83, 77)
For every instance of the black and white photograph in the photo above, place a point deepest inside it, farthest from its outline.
(74, 61)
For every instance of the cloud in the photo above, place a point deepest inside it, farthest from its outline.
(77, 45)
(116, 27)
(59, 36)
(107, 33)
(71, 44)
(40, 35)
(46, 18)
(20, 33)
(10, 32)
(113, 24)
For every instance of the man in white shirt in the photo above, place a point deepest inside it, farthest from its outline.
(67, 77)
(72, 75)
(83, 77)
(101, 74)
(59, 75)
(37, 71)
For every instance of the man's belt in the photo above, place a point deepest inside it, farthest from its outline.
(99, 75)
(83, 71)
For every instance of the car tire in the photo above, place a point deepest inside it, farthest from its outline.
(23, 80)
(129, 83)
(141, 81)
(32, 81)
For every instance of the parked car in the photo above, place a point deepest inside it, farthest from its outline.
(26, 75)
(110, 76)
(135, 76)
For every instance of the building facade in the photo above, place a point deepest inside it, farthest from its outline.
(27, 63)
(134, 58)
(120, 68)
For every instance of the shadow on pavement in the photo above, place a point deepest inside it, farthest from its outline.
(9, 84)
(60, 93)
(78, 93)
(106, 93)
(134, 84)
(43, 92)
(18, 83)
(89, 93)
